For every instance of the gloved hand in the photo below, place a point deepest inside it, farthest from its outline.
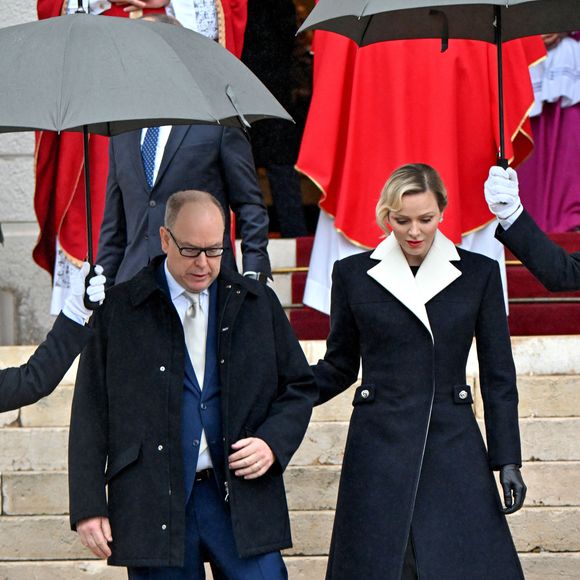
(74, 307)
(502, 192)
(512, 482)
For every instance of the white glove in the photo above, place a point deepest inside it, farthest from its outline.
(74, 307)
(502, 193)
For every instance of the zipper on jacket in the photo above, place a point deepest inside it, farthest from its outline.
(227, 498)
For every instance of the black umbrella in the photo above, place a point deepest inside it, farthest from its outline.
(110, 75)
(370, 21)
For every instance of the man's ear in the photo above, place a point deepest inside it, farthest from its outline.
(164, 236)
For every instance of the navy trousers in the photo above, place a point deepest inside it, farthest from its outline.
(209, 536)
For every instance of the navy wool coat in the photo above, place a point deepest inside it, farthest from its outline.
(125, 432)
(415, 463)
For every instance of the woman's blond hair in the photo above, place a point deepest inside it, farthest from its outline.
(408, 179)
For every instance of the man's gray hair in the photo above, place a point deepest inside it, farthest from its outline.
(177, 200)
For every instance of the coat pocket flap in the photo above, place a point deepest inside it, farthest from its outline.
(364, 394)
(123, 459)
(462, 395)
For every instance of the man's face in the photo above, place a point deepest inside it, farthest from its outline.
(198, 225)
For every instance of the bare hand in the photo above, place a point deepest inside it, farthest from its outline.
(134, 5)
(251, 459)
(95, 533)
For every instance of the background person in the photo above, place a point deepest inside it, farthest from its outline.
(37, 378)
(188, 433)
(549, 263)
(417, 490)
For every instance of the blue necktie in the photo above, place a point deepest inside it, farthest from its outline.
(148, 151)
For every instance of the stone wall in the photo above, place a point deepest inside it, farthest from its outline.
(24, 287)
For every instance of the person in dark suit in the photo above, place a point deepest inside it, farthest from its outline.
(147, 166)
(43, 372)
(188, 406)
(555, 268)
(417, 490)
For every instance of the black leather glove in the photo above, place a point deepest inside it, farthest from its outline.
(512, 483)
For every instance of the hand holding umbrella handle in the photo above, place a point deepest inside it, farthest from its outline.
(91, 302)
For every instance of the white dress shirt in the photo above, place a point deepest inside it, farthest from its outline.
(181, 304)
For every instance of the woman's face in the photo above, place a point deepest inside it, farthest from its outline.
(415, 224)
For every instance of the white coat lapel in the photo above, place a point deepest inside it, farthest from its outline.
(394, 274)
(436, 273)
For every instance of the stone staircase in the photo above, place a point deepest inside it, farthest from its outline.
(36, 543)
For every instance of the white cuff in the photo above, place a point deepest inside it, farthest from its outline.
(509, 221)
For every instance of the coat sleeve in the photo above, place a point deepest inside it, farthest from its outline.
(245, 199)
(497, 376)
(87, 450)
(339, 368)
(113, 234)
(45, 369)
(289, 414)
(549, 263)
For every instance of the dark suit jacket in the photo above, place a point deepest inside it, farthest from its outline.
(37, 378)
(549, 263)
(414, 456)
(206, 157)
(127, 412)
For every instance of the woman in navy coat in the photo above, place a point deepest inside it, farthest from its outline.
(417, 495)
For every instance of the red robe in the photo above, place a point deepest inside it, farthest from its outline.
(387, 104)
(59, 197)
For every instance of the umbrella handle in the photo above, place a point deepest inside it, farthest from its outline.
(89, 305)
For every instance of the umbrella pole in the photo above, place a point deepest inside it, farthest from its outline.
(502, 161)
(88, 195)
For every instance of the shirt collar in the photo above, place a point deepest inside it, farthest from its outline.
(175, 289)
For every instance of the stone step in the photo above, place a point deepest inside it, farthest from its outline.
(45, 448)
(543, 566)
(552, 484)
(534, 530)
(540, 396)
(542, 440)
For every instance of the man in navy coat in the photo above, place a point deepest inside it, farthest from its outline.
(556, 269)
(147, 166)
(187, 409)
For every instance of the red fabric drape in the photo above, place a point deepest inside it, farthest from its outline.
(387, 104)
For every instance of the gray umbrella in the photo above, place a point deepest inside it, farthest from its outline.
(110, 75)
(370, 21)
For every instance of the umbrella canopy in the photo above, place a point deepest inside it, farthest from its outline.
(110, 75)
(116, 74)
(369, 21)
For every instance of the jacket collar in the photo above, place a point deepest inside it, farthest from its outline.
(435, 274)
(152, 279)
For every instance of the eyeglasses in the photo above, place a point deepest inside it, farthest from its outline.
(189, 252)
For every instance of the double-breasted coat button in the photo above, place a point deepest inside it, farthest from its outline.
(365, 394)
(162, 369)
(463, 394)
(228, 286)
(159, 447)
(225, 328)
(195, 442)
(222, 361)
(203, 406)
(238, 291)
(163, 527)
